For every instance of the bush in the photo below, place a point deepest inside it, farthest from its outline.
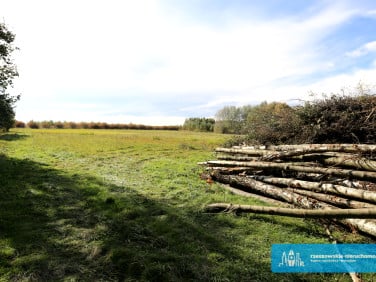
(19, 124)
(33, 124)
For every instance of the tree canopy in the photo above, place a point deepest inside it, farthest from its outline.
(199, 124)
(8, 72)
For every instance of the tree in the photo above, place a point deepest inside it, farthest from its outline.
(274, 123)
(199, 124)
(8, 72)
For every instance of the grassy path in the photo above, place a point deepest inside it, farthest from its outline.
(107, 205)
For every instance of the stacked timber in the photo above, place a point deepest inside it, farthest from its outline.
(336, 181)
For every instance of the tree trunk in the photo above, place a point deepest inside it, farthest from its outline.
(232, 170)
(251, 185)
(320, 213)
(255, 196)
(333, 200)
(249, 152)
(354, 162)
(321, 187)
(243, 158)
(236, 157)
(357, 174)
(349, 148)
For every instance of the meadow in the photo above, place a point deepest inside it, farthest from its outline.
(127, 205)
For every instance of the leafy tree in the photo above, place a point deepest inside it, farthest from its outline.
(8, 72)
(199, 124)
(232, 119)
(274, 123)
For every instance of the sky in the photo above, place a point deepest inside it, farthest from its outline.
(158, 62)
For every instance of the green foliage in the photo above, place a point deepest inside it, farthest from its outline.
(8, 72)
(199, 124)
(7, 114)
(273, 123)
(231, 119)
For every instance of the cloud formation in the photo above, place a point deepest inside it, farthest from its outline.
(363, 50)
(163, 61)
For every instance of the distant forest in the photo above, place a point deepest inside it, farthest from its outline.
(91, 125)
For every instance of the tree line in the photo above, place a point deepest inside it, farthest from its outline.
(90, 125)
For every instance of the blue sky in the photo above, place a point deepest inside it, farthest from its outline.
(159, 62)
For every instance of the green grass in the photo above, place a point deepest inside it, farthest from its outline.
(113, 205)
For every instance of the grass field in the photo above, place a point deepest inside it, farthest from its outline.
(107, 205)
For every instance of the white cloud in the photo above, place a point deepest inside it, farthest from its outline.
(363, 50)
(123, 49)
(370, 13)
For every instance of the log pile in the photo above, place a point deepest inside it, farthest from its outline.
(336, 181)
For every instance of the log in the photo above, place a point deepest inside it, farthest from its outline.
(357, 174)
(309, 156)
(358, 163)
(255, 196)
(328, 158)
(349, 148)
(236, 157)
(306, 213)
(368, 227)
(333, 200)
(271, 191)
(354, 193)
(249, 152)
(232, 170)
(345, 165)
(241, 158)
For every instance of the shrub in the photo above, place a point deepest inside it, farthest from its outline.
(46, 124)
(33, 124)
(19, 124)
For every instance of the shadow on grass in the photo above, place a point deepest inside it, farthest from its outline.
(12, 136)
(55, 227)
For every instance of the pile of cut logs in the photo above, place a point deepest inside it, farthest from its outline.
(332, 181)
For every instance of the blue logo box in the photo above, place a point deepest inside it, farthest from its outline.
(326, 258)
